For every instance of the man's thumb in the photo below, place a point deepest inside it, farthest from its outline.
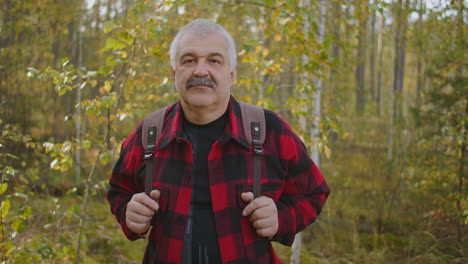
(155, 194)
(247, 197)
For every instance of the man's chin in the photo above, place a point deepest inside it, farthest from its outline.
(201, 100)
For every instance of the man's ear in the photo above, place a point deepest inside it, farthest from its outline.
(173, 72)
(233, 75)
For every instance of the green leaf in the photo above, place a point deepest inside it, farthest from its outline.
(269, 89)
(104, 70)
(113, 44)
(5, 208)
(18, 225)
(126, 37)
(27, 212)
(105, 157)
(10, 247)
(3, 187)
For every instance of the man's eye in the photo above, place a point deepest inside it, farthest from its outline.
(215, 61)
(188, 61)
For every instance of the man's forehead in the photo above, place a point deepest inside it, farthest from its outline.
(213, 43)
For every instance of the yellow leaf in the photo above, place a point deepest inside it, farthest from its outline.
(3, 187)
(258, 49)
(327, 152)
(107, 86)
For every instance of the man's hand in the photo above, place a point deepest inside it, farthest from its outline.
(262, 213)
(140, 210)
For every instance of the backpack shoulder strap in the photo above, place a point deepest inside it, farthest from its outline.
(253, 119)
(151, 131)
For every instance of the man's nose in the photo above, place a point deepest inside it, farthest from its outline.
(201, 69)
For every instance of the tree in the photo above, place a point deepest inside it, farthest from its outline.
(361, 7)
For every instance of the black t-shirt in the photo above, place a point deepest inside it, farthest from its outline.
(204, 236)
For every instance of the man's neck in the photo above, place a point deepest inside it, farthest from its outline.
(203, 115)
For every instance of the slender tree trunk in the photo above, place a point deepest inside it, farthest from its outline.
(461, 172)
(361, 56)
(401, 20)
(372, 58)
(400, 55)
(315, 132)
(335, 50)
(380, 64)
(97, 16)
(336, 23)
(420, 54)
(78, 97)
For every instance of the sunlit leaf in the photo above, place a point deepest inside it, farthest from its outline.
(5, 208)
(113, 44)
(3, 187)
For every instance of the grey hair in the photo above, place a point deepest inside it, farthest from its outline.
(202, 27)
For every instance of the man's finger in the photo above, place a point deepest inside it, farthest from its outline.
(147, 201)
(263, 223)
(260, 213)
(265, 232)
(254, 204)
(155, 194)
(140, 209)
(138, 227)
(138, 218)
(247, 197)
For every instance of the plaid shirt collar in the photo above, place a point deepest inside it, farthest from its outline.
(234, 129)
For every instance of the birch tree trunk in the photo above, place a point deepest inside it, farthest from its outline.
(380, 64)
(315, 130)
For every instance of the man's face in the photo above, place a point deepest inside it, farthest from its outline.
(202, 74)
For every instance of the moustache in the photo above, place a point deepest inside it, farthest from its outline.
(196, 81)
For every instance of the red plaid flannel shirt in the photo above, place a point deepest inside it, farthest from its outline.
(289, 177)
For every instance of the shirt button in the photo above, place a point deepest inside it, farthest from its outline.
(180, 220)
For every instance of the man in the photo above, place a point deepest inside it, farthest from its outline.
(202, 209)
